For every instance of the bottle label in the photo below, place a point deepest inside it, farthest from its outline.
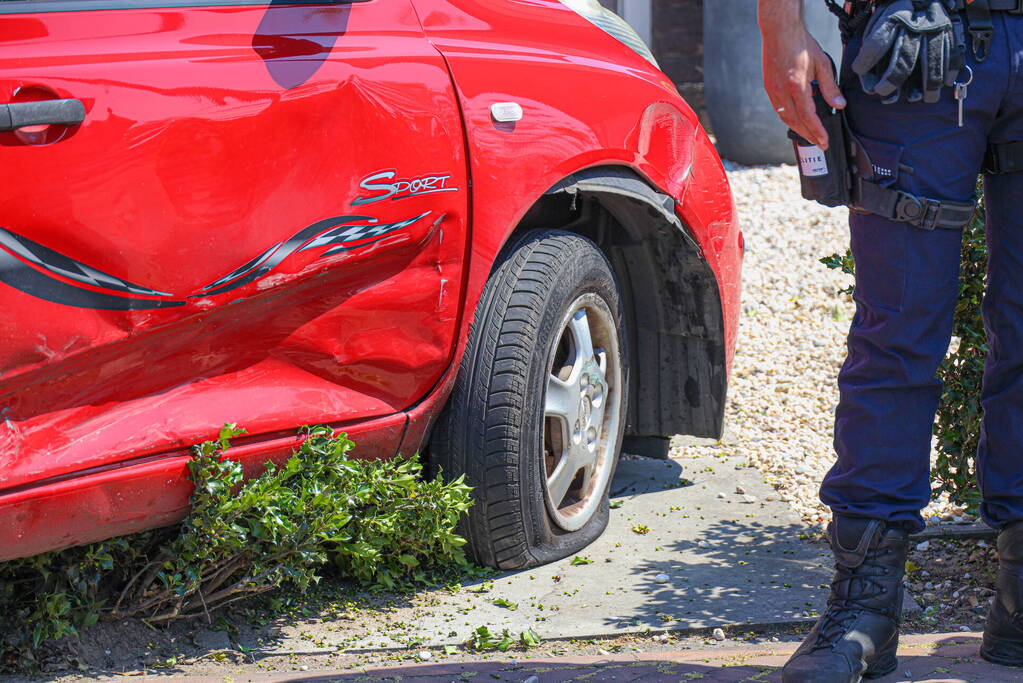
(812, 162)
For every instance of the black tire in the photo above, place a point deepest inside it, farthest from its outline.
(493, 427)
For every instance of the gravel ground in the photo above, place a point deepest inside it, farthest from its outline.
(791, 345)
(953, 581)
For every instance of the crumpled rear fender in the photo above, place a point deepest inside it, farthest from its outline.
(679, 354)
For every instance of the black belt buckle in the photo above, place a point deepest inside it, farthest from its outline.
(1018, 9)
(919, 211)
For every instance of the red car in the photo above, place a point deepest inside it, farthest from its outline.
(488, 230)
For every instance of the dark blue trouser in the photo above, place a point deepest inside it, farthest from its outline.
(906, 288)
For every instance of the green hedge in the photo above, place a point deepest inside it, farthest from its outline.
(380, 523)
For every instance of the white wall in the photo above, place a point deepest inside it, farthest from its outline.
(638, 13)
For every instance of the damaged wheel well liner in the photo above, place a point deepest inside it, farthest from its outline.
(673, 302)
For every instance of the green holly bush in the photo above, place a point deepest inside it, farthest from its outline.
(379, 522)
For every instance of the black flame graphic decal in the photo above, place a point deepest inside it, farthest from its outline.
(44, 273)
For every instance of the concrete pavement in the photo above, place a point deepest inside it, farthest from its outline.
(693, 543)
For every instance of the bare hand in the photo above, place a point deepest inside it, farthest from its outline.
(792, 61)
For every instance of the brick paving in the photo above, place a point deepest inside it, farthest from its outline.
(950, 657)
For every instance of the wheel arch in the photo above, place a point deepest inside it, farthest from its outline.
(677, 332)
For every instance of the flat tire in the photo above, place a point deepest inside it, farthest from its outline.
(536, 417)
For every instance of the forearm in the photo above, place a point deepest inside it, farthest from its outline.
(779, 16)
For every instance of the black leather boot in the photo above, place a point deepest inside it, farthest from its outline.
(858, 635)
(1003, 633)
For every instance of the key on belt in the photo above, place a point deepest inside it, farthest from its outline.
(961, 92)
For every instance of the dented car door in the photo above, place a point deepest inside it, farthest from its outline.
(218, 212)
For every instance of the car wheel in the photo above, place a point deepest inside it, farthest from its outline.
(536, 416)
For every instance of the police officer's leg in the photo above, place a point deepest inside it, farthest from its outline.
(1000, 453)
(906, 288)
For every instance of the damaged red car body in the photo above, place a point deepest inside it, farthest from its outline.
(286, 213)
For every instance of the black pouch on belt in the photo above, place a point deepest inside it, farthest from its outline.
(824, 175)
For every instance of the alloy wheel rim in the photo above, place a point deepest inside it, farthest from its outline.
(582, 406)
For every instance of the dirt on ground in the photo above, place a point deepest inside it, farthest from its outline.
(953, 581)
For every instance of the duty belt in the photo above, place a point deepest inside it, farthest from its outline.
(978, 14)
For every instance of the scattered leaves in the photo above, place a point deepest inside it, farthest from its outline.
(529, 638)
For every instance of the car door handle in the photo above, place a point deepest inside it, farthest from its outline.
(46, 112)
